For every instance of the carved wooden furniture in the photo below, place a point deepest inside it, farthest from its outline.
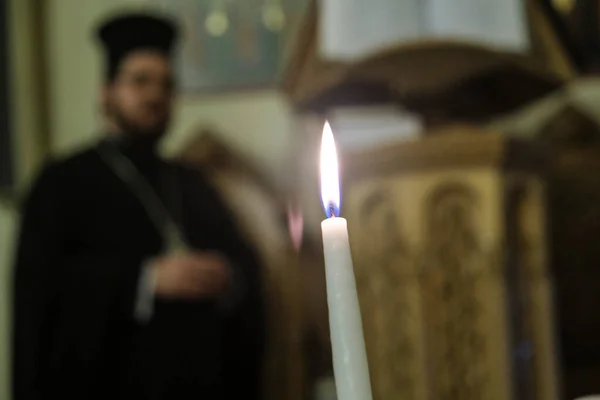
(448, 238)
(448, 232)
(440, 80)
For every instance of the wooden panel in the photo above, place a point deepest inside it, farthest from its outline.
(451, 267)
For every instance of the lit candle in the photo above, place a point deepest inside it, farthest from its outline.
(349, 355)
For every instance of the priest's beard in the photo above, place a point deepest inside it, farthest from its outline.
(141, 135)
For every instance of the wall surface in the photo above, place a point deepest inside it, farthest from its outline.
(28, 151)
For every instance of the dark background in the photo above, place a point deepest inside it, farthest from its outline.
(579, 31)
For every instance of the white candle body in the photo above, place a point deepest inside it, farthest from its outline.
(350, 365)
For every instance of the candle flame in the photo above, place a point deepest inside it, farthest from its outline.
(330, 183)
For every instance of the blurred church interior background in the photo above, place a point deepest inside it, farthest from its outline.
(469, 138)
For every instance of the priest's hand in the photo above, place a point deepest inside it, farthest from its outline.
(191, 276)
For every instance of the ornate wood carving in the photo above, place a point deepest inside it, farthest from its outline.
(450, 262)
(452, 268)
(383, 281)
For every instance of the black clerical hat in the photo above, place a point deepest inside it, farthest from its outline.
(130, 32)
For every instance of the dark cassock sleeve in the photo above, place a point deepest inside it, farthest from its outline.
(245, 317)
(61, 296)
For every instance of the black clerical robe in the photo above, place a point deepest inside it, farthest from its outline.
(84, 240)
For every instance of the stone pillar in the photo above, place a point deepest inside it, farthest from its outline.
(448, 239)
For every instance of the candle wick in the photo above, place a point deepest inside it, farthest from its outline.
(332, 210)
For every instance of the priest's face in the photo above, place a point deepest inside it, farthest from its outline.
(139, 100)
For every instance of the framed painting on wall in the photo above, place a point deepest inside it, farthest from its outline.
(232, 44)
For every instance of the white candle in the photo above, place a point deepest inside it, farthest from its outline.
(350, 365)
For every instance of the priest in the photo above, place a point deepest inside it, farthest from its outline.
(132, 280)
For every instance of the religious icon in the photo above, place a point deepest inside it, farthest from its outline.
(233, 44)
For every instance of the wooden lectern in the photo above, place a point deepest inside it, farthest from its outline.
(449, 231)
(448, 235)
